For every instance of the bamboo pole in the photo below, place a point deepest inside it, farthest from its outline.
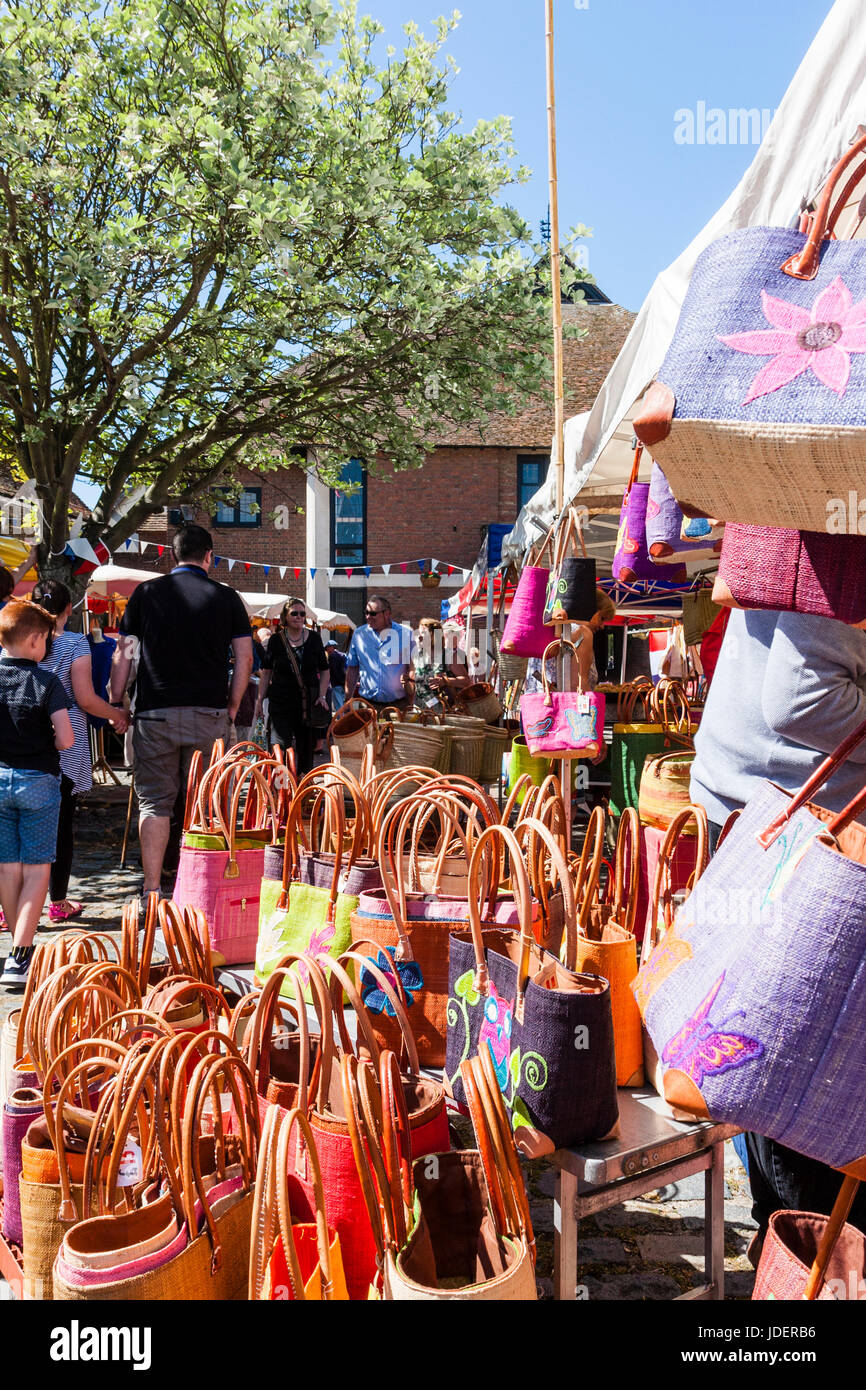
(564, 659)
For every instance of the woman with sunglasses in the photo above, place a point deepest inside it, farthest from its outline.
(295, 676)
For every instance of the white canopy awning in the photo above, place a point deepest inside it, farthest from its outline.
(815, 122)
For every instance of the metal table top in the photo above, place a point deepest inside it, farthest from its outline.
(648, 1139)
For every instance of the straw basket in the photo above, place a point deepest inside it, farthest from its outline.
(467, 748)
(479, 701)
(511, 668)
(496, 741)
(422, 745)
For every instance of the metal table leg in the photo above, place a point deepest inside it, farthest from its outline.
(714, 1223)
(565, 1237)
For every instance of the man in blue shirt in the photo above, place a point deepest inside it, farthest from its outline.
(380, 654)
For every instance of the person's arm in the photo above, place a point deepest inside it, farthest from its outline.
(64, 738)
(27, 563)
(81, 677)
(125, 652)
(814, 690)
(264, 682)
(242, 647)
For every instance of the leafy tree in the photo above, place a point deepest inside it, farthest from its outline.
(228, 227)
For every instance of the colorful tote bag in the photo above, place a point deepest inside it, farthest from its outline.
(632, 561)
(548, 1029)
(571, 595)
(670, 534)
(563, 723)
(756, 1008)
(809, 1256)
(525, 633)
(758, 412)
(309, 906)
(221, 862)
(793, 572)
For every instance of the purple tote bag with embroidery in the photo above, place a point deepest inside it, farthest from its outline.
(755, 1000)
(631, 559)
(759, 411)
(670, 534)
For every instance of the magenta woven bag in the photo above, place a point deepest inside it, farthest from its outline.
(21, 1109)
(755, 998)
(525, 633)
(793, 572)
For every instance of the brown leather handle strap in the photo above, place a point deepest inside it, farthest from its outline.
(589, 867)
(364, 1148)
(496, 834)
(506, 1152)
(662, 890)
(807, 792)
(803, 265)
(535, 831)
(830, 1237)
(628, 852)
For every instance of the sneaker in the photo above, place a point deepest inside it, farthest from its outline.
(16, 968)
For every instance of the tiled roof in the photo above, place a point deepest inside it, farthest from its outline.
(586, 363)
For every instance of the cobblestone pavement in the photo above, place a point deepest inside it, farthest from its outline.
(647, 1249)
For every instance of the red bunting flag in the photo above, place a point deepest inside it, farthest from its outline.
(349, 573)
(297, 572)
(160, 549)
(247, 566)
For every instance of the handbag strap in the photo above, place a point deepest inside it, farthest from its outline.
(272, 1204)
(589, 864)
(628, 853)
(502, 1168)
(807, 792)
(830, 1236)
(559, 643)
(534, 831)
(662, 889)
(803, 265)
(493, 836)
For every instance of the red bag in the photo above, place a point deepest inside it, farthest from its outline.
(808, 1256)
(793, 572)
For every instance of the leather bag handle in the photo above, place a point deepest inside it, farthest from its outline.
(803, 265)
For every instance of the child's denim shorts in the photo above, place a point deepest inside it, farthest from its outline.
(29, 808)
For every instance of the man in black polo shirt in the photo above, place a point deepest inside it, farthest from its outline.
(185, 624)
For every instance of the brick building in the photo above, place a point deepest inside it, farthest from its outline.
(471, 477)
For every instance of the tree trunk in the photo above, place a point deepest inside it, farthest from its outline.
(61, 567)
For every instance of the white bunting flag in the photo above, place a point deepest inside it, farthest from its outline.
(282, 571)
(330, 572)
(386, 569)
(231, 564)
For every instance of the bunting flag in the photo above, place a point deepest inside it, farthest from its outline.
(312, 574)
(267, 570)
(247, 567)
(231, 564)
(404, 565)
(349, 573)
(160, 550)
(330, 572)
(450, 569)
(282, 571)
(421, 564)
(297, 572)
(386, 569)
(216, 560)
(367, 571)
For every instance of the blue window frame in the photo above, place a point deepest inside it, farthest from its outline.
(243, 510)
(531, 473)
(349, 517)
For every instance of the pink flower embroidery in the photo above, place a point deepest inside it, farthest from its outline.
(798, 340)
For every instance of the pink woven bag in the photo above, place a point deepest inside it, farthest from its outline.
(563, 723)
(525, 633)
(221, 867)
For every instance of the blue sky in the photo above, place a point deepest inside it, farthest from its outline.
(623, 69)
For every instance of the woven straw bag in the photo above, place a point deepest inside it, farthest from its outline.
(664, 786)
(496, 742)
(757, 414)
(454, 1226)
(809, 1256)
(426, 744)
(479, 701)
(606, 944)
(467, 748)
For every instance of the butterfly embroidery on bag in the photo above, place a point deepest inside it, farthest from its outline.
(702, 1048)
(582, 727)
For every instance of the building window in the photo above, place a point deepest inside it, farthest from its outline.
(349, 517)
(531, 473)
(245, 509)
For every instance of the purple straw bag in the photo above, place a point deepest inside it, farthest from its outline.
(755, 998)
(21, 1109)
(793, 572)
(759, 411)
(670, 534)
(631, 559)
